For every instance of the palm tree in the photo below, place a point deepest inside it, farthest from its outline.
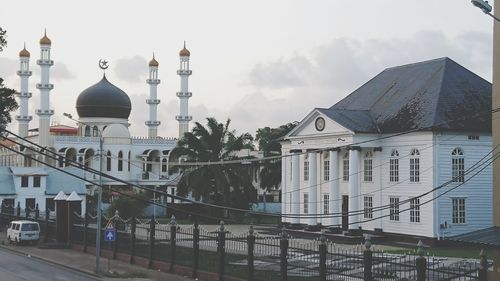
(269, 143)
(227, 184)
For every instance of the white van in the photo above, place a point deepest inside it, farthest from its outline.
(23, 231)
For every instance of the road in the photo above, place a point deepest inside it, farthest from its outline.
(17, 267)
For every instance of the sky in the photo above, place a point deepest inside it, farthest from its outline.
(260, 63)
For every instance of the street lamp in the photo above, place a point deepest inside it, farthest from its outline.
(485, 7)
(99, 198)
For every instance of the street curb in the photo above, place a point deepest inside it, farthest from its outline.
(81, 271)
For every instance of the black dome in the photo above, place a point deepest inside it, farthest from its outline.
(103, 100)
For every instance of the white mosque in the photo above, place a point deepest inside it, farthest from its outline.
(103, 112)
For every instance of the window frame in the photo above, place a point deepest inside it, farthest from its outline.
(394, 208)
(415, 165)
(368, 207)
(368, 167)
(305, 201)
(326, 170)
(326, 203)
(306, 170)
(458, 165)
(37, 181)
(458, 210)
(394, 166)
(345, 167)
(415, 210)
(25, 182)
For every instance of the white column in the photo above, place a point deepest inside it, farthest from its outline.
(45, 87)
(335, 199)
(24, 73)
(377, 154)
(295, 185)
(313, 187)
(353, 187)
(284, 189)
(153, 100)
(184, 72)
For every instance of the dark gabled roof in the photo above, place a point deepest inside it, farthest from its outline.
(438, 95)
(359, 119)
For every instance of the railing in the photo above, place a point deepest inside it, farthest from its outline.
(252, 256)
(76, 139)
(162, 141)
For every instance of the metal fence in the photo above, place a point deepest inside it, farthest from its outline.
(252, 256)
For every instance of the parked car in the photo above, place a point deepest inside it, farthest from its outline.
(23, 231)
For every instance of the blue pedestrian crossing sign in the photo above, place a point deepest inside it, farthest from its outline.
(110, 235)
(110, 232)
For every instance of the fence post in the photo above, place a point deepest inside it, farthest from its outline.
(322, 256)
(483, 266)
(221, 249)
(173, 239)
(116, 220)
(47, 215)
(196, 248)
(2, 212)
(284, 255)
(152, 232)
(37, 212)
(251, 245)
(132, 240)
(85, 231)
(368, 260)
(421, 262)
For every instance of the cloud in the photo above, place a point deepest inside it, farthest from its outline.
(8, 67)
(132, 70)
(286, 89)
(61, 72)
(281, 73)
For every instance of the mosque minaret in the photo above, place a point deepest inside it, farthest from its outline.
(24, 95)
(45, 87)
(153, 100)
(184, 72)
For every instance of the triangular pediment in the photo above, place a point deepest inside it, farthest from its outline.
(311, 126)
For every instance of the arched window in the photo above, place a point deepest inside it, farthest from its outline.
(128, 161)
(394, 166)
(345, 172)
(457, 165)
(108, 161)
(95, 131)
(120, 161)
(368, 167)
(164, 165)
(87, 131)
(414, 165)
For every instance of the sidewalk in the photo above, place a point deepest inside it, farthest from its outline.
(85, 262)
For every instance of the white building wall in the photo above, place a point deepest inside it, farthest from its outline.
(404, 189)
(477, 191)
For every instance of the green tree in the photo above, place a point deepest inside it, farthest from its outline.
(7, 100)
(215, 183)
(269, 142)
(129, 206)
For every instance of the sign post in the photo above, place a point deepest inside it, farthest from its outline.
(109, 236)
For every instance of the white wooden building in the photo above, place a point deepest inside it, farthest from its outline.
(366, 161)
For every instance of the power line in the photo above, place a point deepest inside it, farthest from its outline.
(357, 212)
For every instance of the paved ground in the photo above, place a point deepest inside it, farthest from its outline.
(75, 262)
(20, 267)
